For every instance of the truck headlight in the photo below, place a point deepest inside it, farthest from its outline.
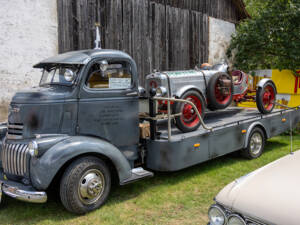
(216, 215)
(236, 220)
(161, 91)
(33, 148)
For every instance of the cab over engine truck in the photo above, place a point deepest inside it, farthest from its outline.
(81, 126)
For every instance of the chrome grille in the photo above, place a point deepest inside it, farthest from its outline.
(14, 159)
(15, 130)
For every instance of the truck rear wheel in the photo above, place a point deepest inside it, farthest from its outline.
(256, 144)
(85, 185)
(266, 98)
(189, 120)
(219, 91)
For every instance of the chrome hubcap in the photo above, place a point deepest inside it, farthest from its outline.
(91, 186)
(256, 143)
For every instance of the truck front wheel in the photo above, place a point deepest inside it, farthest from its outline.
(85, 185)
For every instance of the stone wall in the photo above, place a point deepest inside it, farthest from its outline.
(220, 32)
(28, 35)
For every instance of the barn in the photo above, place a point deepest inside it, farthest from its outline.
(158, 34)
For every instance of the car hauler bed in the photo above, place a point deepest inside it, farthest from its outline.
(232, 130)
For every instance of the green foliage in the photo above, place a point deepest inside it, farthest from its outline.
(270, 39)
(254, 7)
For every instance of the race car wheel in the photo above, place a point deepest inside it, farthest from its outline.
(266, 98)
(219, 91)
(189, 120)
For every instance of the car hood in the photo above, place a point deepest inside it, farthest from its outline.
(270, 194)
(42, 94)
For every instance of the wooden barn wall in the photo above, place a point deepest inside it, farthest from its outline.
(220, 9)
(158, 36)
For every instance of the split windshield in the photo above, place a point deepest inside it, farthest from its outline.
(59, 75)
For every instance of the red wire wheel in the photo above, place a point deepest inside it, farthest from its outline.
(189, 120)
(219, 94)
(266, 98)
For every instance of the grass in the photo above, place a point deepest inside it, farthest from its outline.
(169, 198)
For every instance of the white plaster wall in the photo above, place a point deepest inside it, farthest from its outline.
(220, 32)
(28, 34)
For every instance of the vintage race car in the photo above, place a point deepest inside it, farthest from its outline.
(210, 88)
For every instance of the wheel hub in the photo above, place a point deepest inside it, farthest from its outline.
(223, 90)
(188, 111)
(268, 97)
(91, 186)
(255, 143)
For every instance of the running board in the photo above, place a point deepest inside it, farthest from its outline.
(137, 174)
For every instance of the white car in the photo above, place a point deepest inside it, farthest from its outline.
(268, 196)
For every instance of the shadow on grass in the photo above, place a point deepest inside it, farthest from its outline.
(16, 212)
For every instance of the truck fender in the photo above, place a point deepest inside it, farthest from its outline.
(3, 130)
(182, 90)
(251, 127)
(262, 82)
(44, 169)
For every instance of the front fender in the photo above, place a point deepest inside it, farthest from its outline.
(183, 89)
(262, 82)
(44, 169)
(3, 131)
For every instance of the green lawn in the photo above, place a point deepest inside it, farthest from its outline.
(168, 198)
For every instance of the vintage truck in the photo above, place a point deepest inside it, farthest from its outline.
(88, 122)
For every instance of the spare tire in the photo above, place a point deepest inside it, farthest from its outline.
(219, 91)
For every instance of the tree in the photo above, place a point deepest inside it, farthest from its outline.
(254, 7)
(270, 39)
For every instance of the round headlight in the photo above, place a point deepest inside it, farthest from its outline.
(236, 220)
(161, 91)
(33, 148)
(216, 215)
(69, 75)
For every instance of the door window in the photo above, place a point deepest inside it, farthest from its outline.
(114, 75)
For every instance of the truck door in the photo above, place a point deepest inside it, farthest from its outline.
(108, 103)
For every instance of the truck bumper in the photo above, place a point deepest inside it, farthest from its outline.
(20, 191)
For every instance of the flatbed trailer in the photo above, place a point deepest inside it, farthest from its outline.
(231, 130)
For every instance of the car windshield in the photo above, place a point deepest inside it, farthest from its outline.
(59, 75)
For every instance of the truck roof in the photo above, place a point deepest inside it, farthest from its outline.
(81, 57)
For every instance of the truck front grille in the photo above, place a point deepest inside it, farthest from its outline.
(15, 131)
(14, 159)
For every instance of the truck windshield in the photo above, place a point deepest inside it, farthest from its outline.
(59, 75)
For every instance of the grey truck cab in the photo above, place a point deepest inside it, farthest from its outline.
(86, 100)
